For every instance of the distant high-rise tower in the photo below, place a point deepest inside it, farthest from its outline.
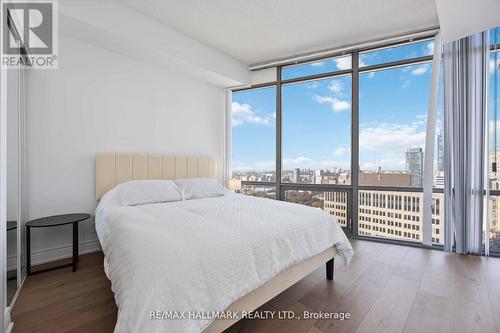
(318, 177)
(415, 165)
(440, 152)
(296, 175)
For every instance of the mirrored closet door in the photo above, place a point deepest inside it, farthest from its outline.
(16, 184)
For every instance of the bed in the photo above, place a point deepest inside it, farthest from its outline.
(186, 266)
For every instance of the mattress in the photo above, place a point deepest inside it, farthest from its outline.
(192, 257)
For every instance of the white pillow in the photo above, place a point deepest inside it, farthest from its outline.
(141, 192)
(196, 188)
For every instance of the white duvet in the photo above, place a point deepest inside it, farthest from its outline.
(203, 254)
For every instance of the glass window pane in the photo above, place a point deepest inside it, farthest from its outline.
(398, 215)
(261, 191)
(494, 219)
(316, 67)
(334, 203)
(495, 36)
(316, 135)
(253, 117)
(393, 107)
(396, 53)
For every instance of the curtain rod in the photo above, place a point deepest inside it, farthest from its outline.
(422, 33)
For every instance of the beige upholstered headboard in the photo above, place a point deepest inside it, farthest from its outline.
(115, 168)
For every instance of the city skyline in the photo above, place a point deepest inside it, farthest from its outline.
(414, 168)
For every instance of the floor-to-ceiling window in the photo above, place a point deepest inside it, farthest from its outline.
(315, 110)
(494, 143)
(347, 136)
(394, 88)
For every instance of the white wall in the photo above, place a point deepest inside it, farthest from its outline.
(100, 101)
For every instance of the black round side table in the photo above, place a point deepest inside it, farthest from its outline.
(54, 221)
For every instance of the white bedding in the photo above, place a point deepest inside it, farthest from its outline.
(203, 254)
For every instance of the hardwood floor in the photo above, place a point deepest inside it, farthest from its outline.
(63, 301)
(386, 288)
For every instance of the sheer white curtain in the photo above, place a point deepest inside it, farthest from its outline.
(465, 142)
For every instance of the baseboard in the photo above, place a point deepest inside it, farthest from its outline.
(55, 253)
(62, 252)
(8, 327)
(8, 324)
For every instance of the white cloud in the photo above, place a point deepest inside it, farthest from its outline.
(421, 120)
(297, 162)
(336, 87)
(343, 63)
(340, 151)
(364, 56)
(265, 165)
(243, 114)
(317, 64)
(492, 125)
(406, 84)
(304, 162)
(332, 164)
(388, 136)
(313, 85)
(420, 70)
(494, 66)
(371, 74)
(429, 48)
(387, 144)
(386, 162)
(258, 165)
(336, 104)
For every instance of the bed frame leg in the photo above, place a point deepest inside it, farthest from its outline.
(329, 269)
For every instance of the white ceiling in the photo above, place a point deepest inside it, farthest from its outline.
(253, 31)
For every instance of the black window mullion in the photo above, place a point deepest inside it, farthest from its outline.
(278, 134)
(315, 77)
(354, 142)
(396, 64)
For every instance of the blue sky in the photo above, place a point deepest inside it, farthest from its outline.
(317, 124)
(317, 115)
(392, 115)
(253, 129)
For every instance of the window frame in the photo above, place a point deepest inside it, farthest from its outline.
(353, 188)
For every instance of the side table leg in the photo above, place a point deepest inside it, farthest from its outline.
(28, 250)
(75, 246)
